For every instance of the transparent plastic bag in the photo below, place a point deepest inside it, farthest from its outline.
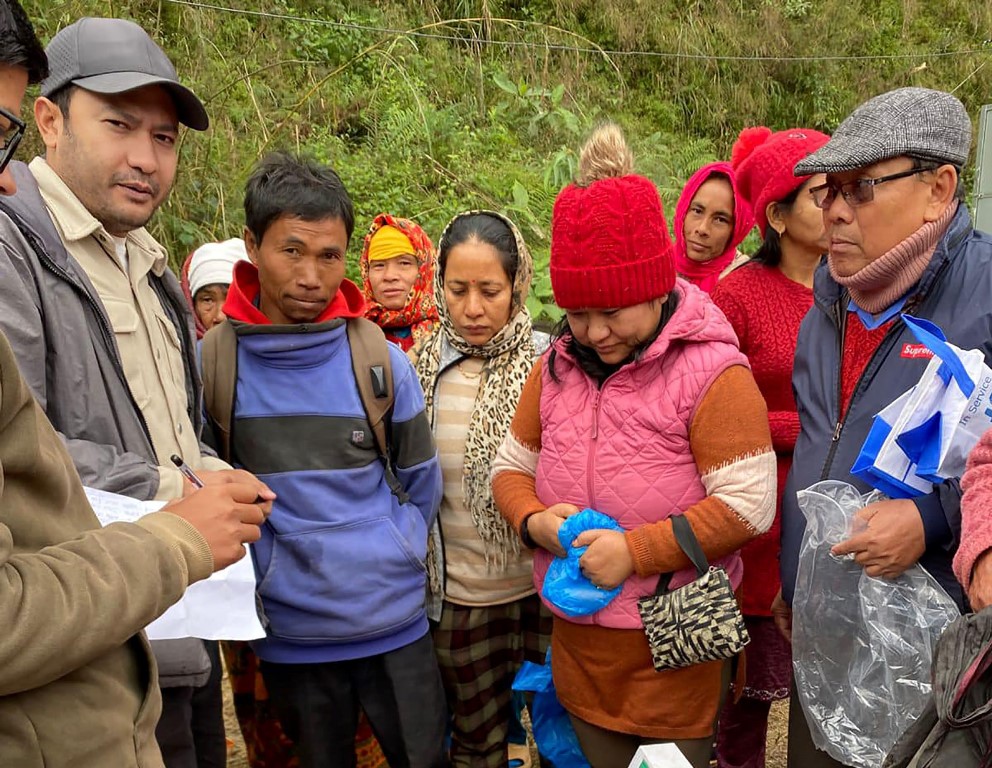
(861, 646)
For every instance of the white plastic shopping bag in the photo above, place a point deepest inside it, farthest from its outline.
(925, 436)
(890, 470)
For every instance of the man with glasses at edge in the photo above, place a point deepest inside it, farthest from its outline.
(13, 132)
(77, 680)
(99, 324)
(901, 240)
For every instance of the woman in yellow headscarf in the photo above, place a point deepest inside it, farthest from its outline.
(397, 266)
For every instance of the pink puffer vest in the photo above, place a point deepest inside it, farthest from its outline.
(624, 449)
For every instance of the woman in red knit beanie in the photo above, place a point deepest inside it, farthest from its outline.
(643, 408)
(765, 300)
(712, 218)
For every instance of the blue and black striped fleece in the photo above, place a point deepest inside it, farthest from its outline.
(340, 565)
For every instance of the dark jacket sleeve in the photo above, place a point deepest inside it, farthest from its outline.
(941, 514)
(21, 319)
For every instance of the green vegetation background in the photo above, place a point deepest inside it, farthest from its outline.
(490, 113)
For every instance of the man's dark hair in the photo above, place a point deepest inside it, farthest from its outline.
(62, 97)
(284, 184)
(19, 45)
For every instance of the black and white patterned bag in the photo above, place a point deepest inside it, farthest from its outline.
(698, 622)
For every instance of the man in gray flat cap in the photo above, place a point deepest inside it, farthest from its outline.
(901, 241)
(99, 325)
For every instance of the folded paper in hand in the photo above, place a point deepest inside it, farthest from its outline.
(924, 436)
(219, 608)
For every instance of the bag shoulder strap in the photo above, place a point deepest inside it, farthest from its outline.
(374, 378)
(220, 364)
(689, 544)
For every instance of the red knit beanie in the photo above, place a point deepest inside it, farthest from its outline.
(764, 161)
(610, 246)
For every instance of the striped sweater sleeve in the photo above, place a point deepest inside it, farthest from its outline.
(731, 443)
(515, 466)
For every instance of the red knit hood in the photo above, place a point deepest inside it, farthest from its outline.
(705, 275)
(243, 293)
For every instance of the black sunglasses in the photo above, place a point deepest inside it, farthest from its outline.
(11, 137)
(859, 191)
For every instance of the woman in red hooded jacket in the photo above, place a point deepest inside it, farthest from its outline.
(712, 218)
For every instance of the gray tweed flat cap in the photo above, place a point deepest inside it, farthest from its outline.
(930, 125)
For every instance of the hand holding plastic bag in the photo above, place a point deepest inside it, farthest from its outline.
(565, 586)
(861, 646)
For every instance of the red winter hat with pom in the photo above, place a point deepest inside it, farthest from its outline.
(764, 161)
(610, 246)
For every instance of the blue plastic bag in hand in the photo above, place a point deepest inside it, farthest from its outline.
(565, 586)
(553, 732)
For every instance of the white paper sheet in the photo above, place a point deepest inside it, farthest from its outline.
(659, 756)
(219, 608)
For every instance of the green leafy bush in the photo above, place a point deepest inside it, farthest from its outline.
(492, 114)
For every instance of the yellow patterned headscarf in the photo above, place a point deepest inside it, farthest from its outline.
(387, 243)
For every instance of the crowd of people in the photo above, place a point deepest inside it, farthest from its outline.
(401, 455)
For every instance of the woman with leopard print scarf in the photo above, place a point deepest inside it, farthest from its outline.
(473, 368)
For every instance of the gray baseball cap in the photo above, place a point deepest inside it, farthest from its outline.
(918, 122)
(116, 56)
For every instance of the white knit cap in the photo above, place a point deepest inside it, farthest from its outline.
(214, 263)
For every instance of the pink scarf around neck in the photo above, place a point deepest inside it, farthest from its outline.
(880, 284)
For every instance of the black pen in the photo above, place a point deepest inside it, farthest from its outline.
(187, 471)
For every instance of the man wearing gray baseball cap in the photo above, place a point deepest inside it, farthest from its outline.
(98, 322)
(111, 56)
(900, 241)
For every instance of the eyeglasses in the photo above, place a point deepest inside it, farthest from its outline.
(857, 192)
(10, 137)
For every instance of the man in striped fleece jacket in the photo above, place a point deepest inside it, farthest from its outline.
(340, 566)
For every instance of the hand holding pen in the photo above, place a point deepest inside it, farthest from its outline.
(264, 495)
(187, 471)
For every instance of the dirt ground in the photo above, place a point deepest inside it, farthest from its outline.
(236, 757)
(777, 730)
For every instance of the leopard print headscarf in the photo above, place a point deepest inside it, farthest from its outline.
(509, 357)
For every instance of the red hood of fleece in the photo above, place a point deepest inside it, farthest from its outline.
(241, 297)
